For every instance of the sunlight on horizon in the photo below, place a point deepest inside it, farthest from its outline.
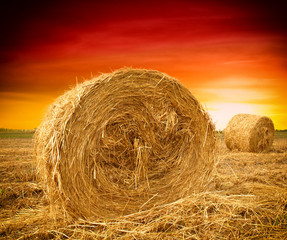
(221, 112)
(223, 102)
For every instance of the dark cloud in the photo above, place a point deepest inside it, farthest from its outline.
(28, 26)
(19, 14)
(267, 16)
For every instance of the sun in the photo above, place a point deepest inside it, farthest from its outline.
(221, 112)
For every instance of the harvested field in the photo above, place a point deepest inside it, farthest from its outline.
(248, 201)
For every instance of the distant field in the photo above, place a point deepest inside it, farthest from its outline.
(29, 133)
(16, 133)
(281, 134)
(278, 134)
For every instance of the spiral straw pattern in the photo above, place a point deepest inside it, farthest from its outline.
(124, 142)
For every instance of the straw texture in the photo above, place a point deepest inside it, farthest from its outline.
(124, 142)
(249, 133)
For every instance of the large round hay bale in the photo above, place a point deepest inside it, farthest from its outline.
(249, 133)
(124, 142)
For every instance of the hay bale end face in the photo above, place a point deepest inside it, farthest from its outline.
(124, 142)
(249, 133)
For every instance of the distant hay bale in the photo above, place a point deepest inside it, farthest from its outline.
(249, 133)
(124, 142)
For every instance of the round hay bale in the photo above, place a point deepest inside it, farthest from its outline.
(124, 142)
(249, 133)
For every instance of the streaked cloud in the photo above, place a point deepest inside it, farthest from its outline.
(231, 55)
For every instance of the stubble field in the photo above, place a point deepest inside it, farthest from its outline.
(248, 200)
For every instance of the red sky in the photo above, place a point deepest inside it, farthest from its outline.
(232, 55)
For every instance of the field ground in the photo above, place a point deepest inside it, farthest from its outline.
(15, 133)
(18, 133)
(248, 200)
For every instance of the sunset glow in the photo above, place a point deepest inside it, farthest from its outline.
(232, 56)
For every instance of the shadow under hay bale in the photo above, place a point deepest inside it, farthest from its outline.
(249, 133)
(124, 142)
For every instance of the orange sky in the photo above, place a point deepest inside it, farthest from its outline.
(232, 56)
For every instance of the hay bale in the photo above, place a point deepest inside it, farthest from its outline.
(249, 133)
(124, 142)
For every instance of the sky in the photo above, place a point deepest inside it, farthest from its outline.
(231, 55)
